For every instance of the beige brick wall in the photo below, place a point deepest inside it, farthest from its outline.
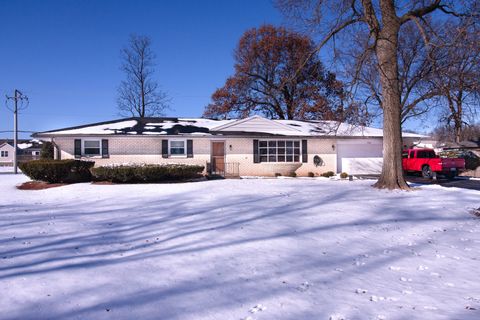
(242, 152)
(137, 150)
(148, 150)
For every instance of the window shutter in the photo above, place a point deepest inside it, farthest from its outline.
(189, 148)
(78, 148)
(105, 153)
(256, 157)
(58, 152)
(304, 151)
(164, 148)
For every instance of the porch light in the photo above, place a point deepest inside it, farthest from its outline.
(230, 147)
(333, 147)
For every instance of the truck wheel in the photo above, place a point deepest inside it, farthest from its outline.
(427, 172)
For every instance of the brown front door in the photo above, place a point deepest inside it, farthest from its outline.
(218, 157)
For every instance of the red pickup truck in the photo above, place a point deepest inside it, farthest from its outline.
(429, 164)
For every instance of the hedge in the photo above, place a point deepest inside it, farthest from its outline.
(146, 173)
(58, 171)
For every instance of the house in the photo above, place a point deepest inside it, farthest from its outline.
(254, 146)
(27, 150)
(6, 153)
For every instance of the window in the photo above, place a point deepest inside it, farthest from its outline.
(4, 154)
(426, 154)
(91, 148)
(35, 153)
(177, 147)
(279, 150)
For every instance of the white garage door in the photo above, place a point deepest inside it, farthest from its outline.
(363, 156)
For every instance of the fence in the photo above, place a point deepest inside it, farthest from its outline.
(229, 170)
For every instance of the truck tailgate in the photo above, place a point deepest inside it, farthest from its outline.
(453, 163)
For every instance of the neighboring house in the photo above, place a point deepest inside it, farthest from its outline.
(253, 146)
(6, 153)
(27, 150)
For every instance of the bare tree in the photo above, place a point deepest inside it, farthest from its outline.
(139, 94)
(382, 21)
(416, 63)
(458, 77)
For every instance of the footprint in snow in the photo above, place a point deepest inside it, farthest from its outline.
(257, 308)
(449, 284)
(407, 291)
(422, 268)
(304, 286)
(337, 317)
(359, 263)
(376, 298)
(359, 291)
(405, 279)
(394, 268)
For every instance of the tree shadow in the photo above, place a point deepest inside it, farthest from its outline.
(223, 251)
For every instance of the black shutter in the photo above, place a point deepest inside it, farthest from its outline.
(256, 157)
(189, 148)
(78, 148)
(304, 151)
(164, 148)
(59, 153)
(105, 153)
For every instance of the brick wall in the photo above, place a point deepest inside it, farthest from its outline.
(240, 150)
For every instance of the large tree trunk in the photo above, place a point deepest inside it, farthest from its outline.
(386, 51)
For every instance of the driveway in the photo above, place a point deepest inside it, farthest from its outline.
(464, 183)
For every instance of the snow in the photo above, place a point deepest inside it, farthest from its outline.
(24, 145)
(7, 169)
(197, 122)
(238, 249)
(334, 128)
(285, 128)
(109, 128)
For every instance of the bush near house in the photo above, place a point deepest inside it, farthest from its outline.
(146, 173)
(328, 174)
(344, 175)
(58, 171)
(47, 151)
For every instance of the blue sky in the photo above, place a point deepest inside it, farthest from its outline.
(65, 54)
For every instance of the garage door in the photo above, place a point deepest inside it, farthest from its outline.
(360, 156)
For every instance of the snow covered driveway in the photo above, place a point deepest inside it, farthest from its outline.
(238, 249)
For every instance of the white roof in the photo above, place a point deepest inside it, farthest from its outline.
(201, 126)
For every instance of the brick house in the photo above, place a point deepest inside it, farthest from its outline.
(254, 146)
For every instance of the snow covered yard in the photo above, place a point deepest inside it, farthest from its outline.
(238, 249)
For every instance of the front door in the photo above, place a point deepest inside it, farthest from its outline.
(218, 157)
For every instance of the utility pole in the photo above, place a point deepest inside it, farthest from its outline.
(17, 96)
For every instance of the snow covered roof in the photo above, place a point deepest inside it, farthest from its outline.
(22, 144)
(200, 126)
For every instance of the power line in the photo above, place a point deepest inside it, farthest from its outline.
(20, 102)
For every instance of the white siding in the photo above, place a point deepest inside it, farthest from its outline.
(360, 156)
